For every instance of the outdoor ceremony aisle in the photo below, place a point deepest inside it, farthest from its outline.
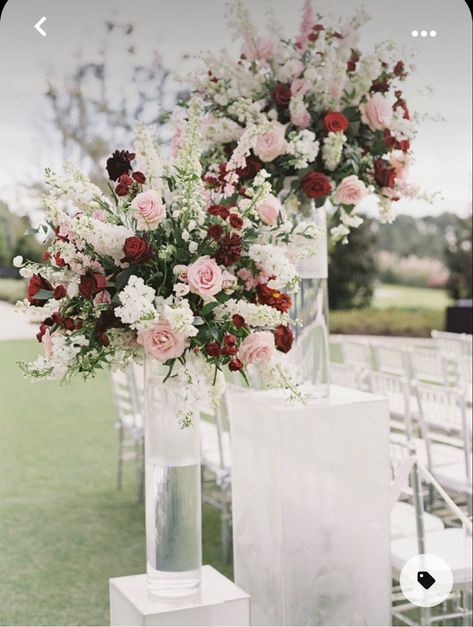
(65, 529)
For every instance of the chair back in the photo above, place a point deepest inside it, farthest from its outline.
(452, 343)
(357, 354)
(426, 365)
(396, 390)
(347, 376)
(390, 359)
(125, 397)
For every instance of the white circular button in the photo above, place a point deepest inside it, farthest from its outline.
(414, 33)
(433, 33)
(423, 33)
(426, 580)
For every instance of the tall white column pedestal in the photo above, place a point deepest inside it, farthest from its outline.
(220, 602)
(311, 507)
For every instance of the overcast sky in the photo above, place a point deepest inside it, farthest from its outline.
(175, 27)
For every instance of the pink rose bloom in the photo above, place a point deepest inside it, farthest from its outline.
(269, 209)
(300, 116)
(248, 279)
(162, 343)
(400, 162)
(257, 347)
(263, 49)
(149, 210)
(271, 144)
(376, 112)
(299, 87)
(47, 343)
(102, 298)
(180, 270)
(229, 280)
(100, 214)
(205, 277)
(350, 191)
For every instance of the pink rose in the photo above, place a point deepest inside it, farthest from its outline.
(229, 280)
(263, 49)
(399, 160)
(149, 210)
(299, 87)
(248, 279)
(376, 112)
(269, 209)
(350, 191)
(257, 347)
(180, 270)
(205, 277)
(271, 144)
(161, 342)
(102, 298)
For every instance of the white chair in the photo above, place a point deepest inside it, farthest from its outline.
(426, 365)
(356, 354)
(396, 390)
(348, 376)
(390, 359)
(453, 343)
(461, 374)
(130, 426)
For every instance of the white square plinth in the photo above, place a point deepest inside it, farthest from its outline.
(311, 507)
(219, 602)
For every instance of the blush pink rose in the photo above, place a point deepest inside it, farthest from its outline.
(180, 270)
(299, 87)
(149, 210)
(271, 144)
(269, 209)
(376, 112)
(205, 277)
(248, 279)
(257, 347)
(161, 342)
(350, 191)
(263, 49)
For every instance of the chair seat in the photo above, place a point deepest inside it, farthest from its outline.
(452, 545)
(211, 457)
(442, 454)
(453, 477)
(403, 521)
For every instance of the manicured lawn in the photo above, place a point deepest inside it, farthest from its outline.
(12, 290)
(403, 296)
(64, 528)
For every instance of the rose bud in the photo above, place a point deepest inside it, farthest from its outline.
(69, 324)
(121, 189)
(236, 221)
(238, 321)
(79, 323)
(235, 364)
(59, 292)
(139, 177)
(91, 284)
(126, 180)
(229, 340)
(213, 349)
(283, 338)
(229, 350)
(57, 317)
(41, 332)
(215, 231)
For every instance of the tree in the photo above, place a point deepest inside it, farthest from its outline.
(13, 238)
(353, 269)
(458, 256)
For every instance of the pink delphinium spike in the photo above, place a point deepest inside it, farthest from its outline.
(307, 23)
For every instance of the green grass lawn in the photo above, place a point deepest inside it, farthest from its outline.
(64, 527)
(403, 296)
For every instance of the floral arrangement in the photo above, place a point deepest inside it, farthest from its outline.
(335, 119)
(169, 267)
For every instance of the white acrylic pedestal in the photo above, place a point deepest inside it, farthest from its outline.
(220, 602)
(311, 507)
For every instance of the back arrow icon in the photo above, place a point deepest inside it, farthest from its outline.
(38, 26)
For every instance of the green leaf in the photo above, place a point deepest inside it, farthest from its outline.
(209, 307)
(122, 278)
(43, 294)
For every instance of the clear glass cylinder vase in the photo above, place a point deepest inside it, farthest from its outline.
(173, 490)
(311, 352)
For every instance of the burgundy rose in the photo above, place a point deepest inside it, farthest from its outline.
(59, 292)
(282, 95)
(283, 338)
(251, 169)
(273, 298)
(37, 283)
(335, 122)
(238, 321)
(316, 185)
(215, 231)
(137, 250)
(108, 320)
(91, 283)
(235, 364)
(229, 250)
(380, 84)
(139, 177)
(236, 221)
(229, 340)
(119, 163)
(229, 350)
(219, 210)
(384, 174)
(213, 349)
(42, 330)
(69, 324)
(57, 318)
(122, 189)
(392, 143)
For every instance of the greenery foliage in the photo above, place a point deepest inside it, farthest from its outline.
(395, 321)
(458, 255)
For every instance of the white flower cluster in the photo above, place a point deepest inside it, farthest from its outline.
(332, 149)
(256, 316)
(64, 351)
(137, 304)
(303, 147)
(274, 262)
(180, 316)
(348, 221)
(104, 237)
(73, 186)
(147, 154)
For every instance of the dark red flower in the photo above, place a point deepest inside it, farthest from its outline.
(235, 364)
(316, 185)
(91, 283)
(46, 256)
(215, 231)
(229, 350)
(335, 122)
(42, 330)
(282, 95)
(213, 349)
(137, 250)
(238, 321)
(384, 174)
(229, 340)
(399, 70)
(273, 298)
(400, 102)
(380, 84)
(392, 143)
(69, 324)
(37, 283)
(107, 320)
(139, 177)
(59, 260)
(236, 221)
(229, 250)
(59, 292)
(353, 60)
(283, 338)
(57, 318)
(126, 180)
(122, 189)
(79, 323)
(119, 163)
(219, 210)
(251, 169)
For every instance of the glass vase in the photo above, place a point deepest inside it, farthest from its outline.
(311, 351)
(173, 490)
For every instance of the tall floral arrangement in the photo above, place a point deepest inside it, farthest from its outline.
(168, 266)
(336, 120)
